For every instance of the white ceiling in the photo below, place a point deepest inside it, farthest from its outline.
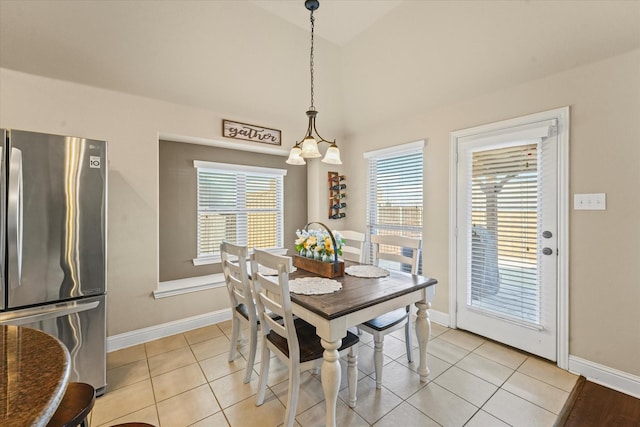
(338, 21)
(248, 59)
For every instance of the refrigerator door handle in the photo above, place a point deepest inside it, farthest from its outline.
(31, 315)
(2, 217)
(14, 218)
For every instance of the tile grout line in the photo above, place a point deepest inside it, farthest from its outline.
(399, 359)
(153, 390)
(205, 378)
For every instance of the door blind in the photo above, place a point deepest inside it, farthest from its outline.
(503, 236)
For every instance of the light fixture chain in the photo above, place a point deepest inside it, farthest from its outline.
(311, 59)
(308, 146)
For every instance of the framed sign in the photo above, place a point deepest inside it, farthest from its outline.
(252, 133)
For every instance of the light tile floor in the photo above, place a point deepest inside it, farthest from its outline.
(186, 380)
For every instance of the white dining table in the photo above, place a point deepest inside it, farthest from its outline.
(360, 300)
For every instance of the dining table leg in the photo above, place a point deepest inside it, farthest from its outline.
(423, 331)
(330, 376)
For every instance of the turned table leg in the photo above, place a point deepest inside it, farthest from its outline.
(423, 331)
(330, 376)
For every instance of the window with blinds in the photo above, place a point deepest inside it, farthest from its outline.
(503, 235)
(395, 193)
(240, 204)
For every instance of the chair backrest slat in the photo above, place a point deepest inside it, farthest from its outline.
(236, 275)
(271, 299)
(390, 248)
(272, 294)
(354, 248)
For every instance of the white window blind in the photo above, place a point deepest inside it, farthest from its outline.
(503, 238)
(395, 193)
(240, 204)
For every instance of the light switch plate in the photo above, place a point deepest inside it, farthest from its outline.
(590, 202)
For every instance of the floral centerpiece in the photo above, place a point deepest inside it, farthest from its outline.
(318, 251)
(318, 244)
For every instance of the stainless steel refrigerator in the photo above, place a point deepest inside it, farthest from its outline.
(53, 243)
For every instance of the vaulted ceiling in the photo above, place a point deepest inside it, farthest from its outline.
(250, 58)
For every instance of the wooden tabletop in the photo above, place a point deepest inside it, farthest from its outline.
(34, 370)
(358, 293)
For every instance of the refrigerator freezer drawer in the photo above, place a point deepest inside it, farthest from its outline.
(80, 325)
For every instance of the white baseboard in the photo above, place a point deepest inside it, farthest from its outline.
(439, 317)
(606, 376)
(139, 336)
(597, 373)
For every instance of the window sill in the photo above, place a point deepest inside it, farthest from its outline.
(172, 288)
(206, 260)
(213, 259)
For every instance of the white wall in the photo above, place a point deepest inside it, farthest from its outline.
(131, 125)
(604, 157)
(605, 130)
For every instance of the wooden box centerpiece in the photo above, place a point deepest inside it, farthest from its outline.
(318, 243)
(324, 269)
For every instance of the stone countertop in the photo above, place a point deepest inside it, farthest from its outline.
(34, 371)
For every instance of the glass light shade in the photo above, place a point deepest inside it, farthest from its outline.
(332, 155)
(310, 148)
(294, 157)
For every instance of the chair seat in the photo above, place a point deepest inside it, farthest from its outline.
(242, 309)
(310, 346)
(76, 404)
(387, 320)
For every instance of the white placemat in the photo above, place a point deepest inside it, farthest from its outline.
(369, 271)
(314, 285)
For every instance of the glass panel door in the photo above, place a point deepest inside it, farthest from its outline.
(506, 241)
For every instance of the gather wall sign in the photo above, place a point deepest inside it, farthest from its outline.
(247, 132)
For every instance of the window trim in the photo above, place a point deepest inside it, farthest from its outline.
(237, 169)
(256, 170)
(563, 116)
(171, 288)
(397, 150)
(416, 147)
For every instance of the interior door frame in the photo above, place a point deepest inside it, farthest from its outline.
(562, 116)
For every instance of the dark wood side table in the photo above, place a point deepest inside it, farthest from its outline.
(34, 371)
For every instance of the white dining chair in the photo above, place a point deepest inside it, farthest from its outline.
(354, 249)
(243, 309)
(391, 248)
(291, 339)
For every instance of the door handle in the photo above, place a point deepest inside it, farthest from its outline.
(31, 315)
(2, 217)
(547, 251)
(14, 218)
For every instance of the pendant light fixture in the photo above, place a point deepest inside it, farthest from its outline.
(308, 148)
